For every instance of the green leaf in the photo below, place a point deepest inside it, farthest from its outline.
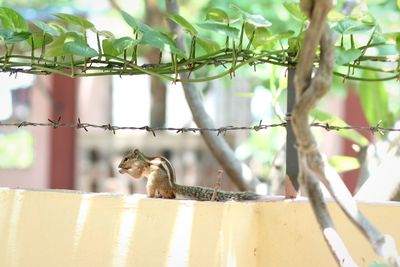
(284, 35)
(256, 20)
(85, 24)
(279, 36)
(365, 18)
(73, 36)
(390, 36)
(220, 28)
(261, 39)
(70, 43)
(349, 26)
(343, 56)
(75, 44)
(152, 37)
(58, 27)
(209, 46)
(293, 45)
(332, 120)
(161, 41)
(38, 39)
(135, 24)
(109, 49)
(47, 28)
(186, 25)
(56, 48)
(79, 49)
(335, 15)
(12, 20)
(295, 11)
(12, 37)
(217, 14)
(375, 101)
(344, 163)
(124, 43)
(106, 34)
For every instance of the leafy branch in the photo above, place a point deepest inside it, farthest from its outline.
(61, 46)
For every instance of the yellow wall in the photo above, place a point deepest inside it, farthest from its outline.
(67, 228)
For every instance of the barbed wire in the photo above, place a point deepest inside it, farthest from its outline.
(220, 130)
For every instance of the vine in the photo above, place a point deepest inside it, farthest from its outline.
(57, 47)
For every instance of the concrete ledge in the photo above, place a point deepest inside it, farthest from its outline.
(68, 228)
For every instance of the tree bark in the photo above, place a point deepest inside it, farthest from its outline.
(309, 90)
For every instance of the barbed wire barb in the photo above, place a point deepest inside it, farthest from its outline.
(81, 125)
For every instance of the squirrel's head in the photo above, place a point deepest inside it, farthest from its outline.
(133, 164)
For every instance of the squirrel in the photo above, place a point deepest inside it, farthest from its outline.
(161, 180)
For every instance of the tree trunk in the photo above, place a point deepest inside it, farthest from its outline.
(158, 88)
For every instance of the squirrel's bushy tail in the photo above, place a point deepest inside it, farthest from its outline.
(205, 193)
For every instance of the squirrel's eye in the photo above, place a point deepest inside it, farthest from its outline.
(125, 159)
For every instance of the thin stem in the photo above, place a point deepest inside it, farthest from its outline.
(241, 38)
(72, 66)
(99, 46)
(32, 50)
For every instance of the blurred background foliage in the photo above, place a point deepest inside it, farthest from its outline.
(379, 99)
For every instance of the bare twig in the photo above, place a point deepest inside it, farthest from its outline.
(312, 168)
(115, 5)
(217, 184)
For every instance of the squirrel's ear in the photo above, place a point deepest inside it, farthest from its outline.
(130, 153)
